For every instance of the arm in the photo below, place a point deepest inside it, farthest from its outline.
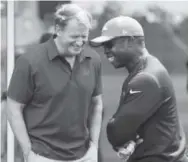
(134, 110)
(96, 118)
(20, 92)
(96, 105)
(15, 118)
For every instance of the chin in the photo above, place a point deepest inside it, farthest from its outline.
(117, 65)
(74, 53)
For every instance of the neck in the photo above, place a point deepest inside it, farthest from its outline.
(137, 60)
(69, 58)
(58, 45)
(71, 61)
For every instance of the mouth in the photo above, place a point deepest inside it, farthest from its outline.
(114, 61)
(76, 48)
(111, 59)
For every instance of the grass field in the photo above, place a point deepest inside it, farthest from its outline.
(112, 88)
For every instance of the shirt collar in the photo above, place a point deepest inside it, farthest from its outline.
(86, 53)
(138, 67)
(52, 49)
(53, 52)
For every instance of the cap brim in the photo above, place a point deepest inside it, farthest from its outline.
(100, 40)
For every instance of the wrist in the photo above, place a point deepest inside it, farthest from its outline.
(26, 151)
(95, 143)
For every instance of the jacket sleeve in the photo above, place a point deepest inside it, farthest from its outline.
(140, 102)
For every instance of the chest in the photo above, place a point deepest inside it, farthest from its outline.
(125, 90)
(56, 78)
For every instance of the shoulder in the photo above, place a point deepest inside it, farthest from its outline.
(34, 54)
(36, 51)
(145, 80)
(95, 57)
(145, 83)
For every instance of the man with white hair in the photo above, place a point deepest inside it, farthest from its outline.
(54, 89)
(147, 107)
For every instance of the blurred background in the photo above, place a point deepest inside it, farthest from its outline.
(165, 25)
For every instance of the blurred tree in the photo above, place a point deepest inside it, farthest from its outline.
(46, 10)
(3, 7)
(172, 25)
(46, 7)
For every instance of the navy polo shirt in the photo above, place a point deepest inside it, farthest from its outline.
(57, 99)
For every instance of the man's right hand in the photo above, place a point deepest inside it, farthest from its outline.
(17, 122)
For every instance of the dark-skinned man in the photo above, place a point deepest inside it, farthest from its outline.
(147, 104)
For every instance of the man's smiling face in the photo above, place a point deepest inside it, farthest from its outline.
(117, 51)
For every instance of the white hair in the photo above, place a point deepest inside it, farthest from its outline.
(70, 11)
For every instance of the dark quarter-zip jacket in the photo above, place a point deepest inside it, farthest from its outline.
(148, 108)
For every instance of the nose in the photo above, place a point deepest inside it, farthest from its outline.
(108, 51)
(79, 42)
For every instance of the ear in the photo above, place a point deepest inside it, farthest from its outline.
(57, 30)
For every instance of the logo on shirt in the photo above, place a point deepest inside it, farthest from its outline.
(134, 92)
(124, 32)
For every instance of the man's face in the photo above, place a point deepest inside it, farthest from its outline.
(73, 37)
(118, 52)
